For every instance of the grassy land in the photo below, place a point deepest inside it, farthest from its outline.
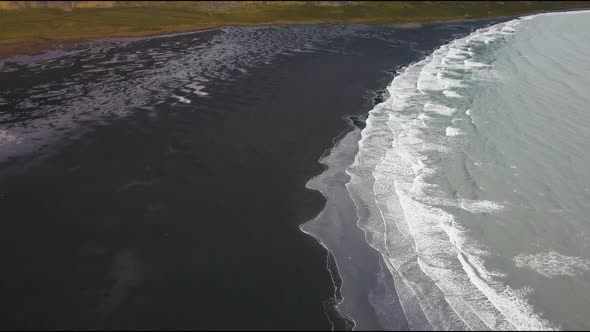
(33, 29)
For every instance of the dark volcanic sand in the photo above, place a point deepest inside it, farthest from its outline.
(184, 216)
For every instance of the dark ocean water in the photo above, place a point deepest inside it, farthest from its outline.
(160, 183)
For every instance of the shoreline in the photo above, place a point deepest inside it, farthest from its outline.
(322, 184)
(337, 223)
(37, 47)
(334, 225)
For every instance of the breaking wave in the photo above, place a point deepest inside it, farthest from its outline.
(440, 271)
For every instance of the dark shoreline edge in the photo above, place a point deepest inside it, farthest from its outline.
(395, 319)
(357, 122)
(331, 305)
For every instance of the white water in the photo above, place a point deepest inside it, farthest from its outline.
(419, 174)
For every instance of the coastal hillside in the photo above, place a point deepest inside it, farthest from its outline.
(30, 26)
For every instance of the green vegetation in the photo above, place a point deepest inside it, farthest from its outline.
(32, 29)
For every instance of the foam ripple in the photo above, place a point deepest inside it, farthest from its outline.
(436, 265)
(551, 264)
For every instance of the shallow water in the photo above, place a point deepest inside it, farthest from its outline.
(470, 179)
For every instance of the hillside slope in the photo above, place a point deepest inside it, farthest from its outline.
(30, 26)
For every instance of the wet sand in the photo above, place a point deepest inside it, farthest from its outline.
(187, 216)
(357, 264)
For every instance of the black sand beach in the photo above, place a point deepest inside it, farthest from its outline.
(186, 216)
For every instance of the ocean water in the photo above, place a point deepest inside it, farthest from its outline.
(471, 180)
(157, 182)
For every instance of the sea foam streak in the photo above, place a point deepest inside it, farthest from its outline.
(439, 270)
(551, 264)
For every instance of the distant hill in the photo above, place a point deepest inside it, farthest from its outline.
(30, 26)
(227, 5)
(212, 5)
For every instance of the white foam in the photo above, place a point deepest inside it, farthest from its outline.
(197, 89)
(473, 64)
(551, 264)
(480, 206)
(452, 131)
(425, 247)
(439, 109)
(182, 99)
(508, 29)
(451, 94)
(432, 79)
(7, 138)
